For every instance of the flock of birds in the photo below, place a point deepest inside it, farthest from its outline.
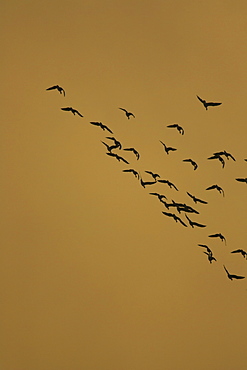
(113, 147)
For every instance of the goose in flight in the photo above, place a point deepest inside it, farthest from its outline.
(218, 235)
(57, 87)
(116, 142)
(175, 217)
(117, 157)
(167, 148)
(134, 151)
(242, 179)
(169, 183)
(209, 253)
(244, 254)
(135, 173)
(182, 207)
(231, 276)
(179, 128)
(226, 154)
(128, 114)
(154, 175)
(159, 196)
(205, 246)
(192, 223)
(207, 104)
(72, 110)
(218, 156)
(145, 183)
(217, 187)
(194, 164)
(109, 147)
(100, 124)
(195, 199)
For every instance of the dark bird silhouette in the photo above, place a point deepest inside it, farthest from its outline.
(179, 128)
(210, 257)
(218, 235)
(167, 148)
(135, 173)
(117, 157)
(196, 200)
(72, 110)
(217, 156)
(242, 179)
(175, 217)
(226, 154)
(154, 175)
(169, 183)
(134, 151)
(244, 254)
(128, 114)
(231, 276)
(57, 87)
(100, 124)
(194, 164)
(182, 207)
(205, 246)
(159, 196)
(207, 104)
(245, 159)
(109, 147)
(145, 183)
(192, 223)
(220, 190)
(116, 142)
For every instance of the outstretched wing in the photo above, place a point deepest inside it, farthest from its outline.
(201, 100)
(52, 87)
(212, 104)
(123, 110)
(79, 114)
(67, 109)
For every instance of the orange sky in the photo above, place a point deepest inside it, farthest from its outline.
(93, 275)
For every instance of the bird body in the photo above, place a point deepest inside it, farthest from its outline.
(72, 110)
(128, 114)
(57, 87)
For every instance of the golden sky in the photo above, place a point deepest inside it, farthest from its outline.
(93, 275)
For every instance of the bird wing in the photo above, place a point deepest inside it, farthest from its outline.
(52, 87)
(79, 114)
(242, 180)
(237, 277)
(95, 123)
(124, 110)
(107, 128)
(173, 125)
(201, 100)
(201, 201)
(198, 225)
(179, 219)
(211, 187)
(212, 104)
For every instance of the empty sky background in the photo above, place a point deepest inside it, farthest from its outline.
(93, 275)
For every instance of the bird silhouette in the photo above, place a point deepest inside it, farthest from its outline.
(145, 183)
(101, 125)
(196, 200)
(175, 217)
(179, 128)
(217, 156)
(194, 164)
(207, 104)
(217, 187)
(57, 87)
(159, 196)
(128, 114)
(231, 276)
(72, 110)
(154, 175)
(167, 148)
(109, 147)
(117, 157)
(116, 142)
(193, 223)
(209, 253)
(242, 179)
(182, 207)
(244, 254)
(226, 154)
(134, 151)
(218, 235)
(205, 246)
(135, 173)
(169, 183)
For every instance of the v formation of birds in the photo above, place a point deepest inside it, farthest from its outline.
(114, 146)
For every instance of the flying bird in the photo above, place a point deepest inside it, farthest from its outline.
(57, 87)
(220, 190)
(192, 223)
(116, 142)
(128, 114)
(244, 254)
(175, 217)
(207, 104)
(72, 110)
(195, 199)
(194, 164)
(145, 183)
(169, 183)
(179, 128)
(205, 246)
(167, 148)
(159, 196)
(218, 156)
(117, 157)
(154, 175)
(134, 151)
(226, 154)
(109, 147)
(242, 179)
(135, 173)
(218, 235)
(101, 125)
(231, 276)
